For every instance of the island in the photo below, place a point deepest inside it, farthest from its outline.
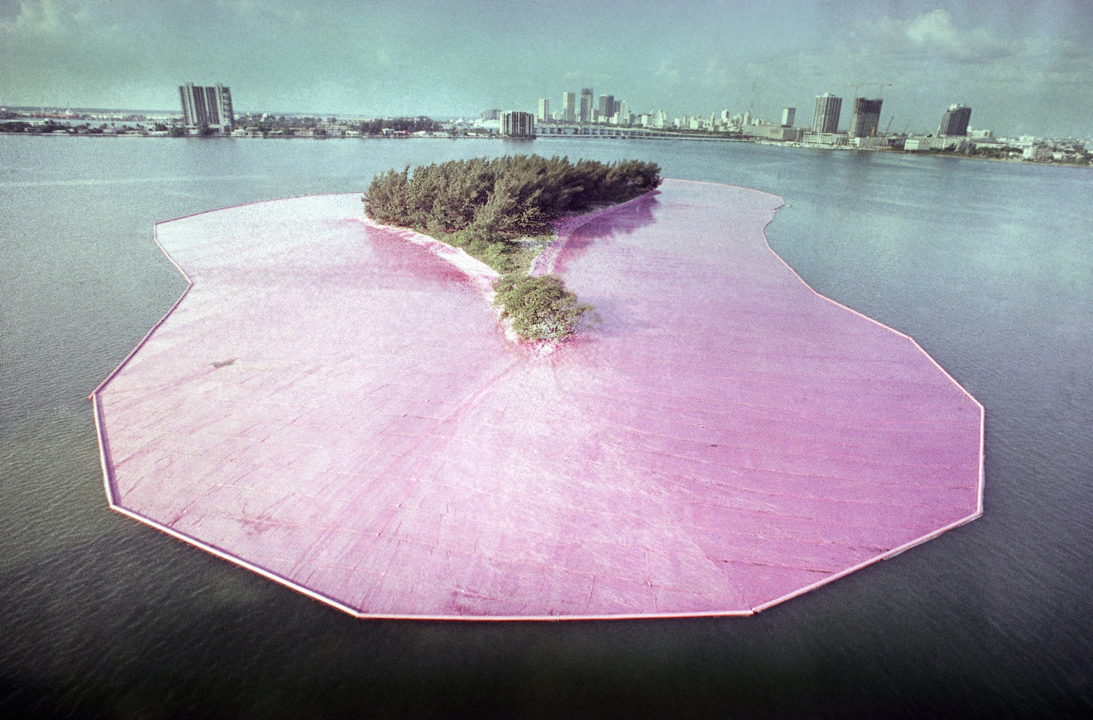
(333, 404)
(502, 211)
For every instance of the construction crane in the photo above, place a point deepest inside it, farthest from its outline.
(889, 127)
(880, 87)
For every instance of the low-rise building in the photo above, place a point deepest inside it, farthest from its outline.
(1036, 151)
(766, 131)
(829, 139)
(922, 144)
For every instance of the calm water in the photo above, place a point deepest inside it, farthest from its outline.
(988, 265)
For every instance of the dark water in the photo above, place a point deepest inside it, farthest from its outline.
(988, 265)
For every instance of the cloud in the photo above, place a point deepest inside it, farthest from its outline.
(38, 18)
(666, 73)
(931, 36)
(716, 74)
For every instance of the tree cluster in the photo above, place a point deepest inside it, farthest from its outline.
(26, 127)
(490, 206)
(415, 124)
(503, 197)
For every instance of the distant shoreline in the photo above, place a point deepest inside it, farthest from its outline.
(483, 136)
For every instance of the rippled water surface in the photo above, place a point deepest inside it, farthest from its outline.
(988, 265)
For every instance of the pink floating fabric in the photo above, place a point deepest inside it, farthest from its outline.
(334, 405)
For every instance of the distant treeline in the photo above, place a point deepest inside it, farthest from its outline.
(415, 124)
(490, 207)
(20, 126)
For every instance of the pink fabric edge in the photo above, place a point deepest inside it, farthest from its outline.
(108, 474)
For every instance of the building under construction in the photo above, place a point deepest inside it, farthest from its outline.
(865, 117)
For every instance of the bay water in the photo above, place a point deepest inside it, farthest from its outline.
(989, 266)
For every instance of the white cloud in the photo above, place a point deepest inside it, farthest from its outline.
(37, 17)
(667, 74)
(931, 36)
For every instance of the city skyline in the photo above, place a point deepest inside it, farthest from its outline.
(1024, 68)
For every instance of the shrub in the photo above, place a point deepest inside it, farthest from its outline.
(540, 307)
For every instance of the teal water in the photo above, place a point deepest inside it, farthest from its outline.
(988, 265)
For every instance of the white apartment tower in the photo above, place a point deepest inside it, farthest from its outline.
(825, 119)
(517, 124)
(624, 113)
(210, 106)
(544, 110)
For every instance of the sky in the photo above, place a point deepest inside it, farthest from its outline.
(1024, 67)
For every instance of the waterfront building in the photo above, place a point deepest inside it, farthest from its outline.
(625, 118)
(517, 124)
(955, 120)
(544, 110)
(834, 139)
(210, 106)
(586, 105)
(788, 115)
(920, 144)
(865, 118)
(491, 114)
(569, 110)
(767, 131)
(869, 143)
(1036, 151)
(825, 118)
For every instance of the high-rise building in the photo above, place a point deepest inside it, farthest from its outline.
(544, 110)
(788, 115)
(517, 124)
(569, 110)
(955, 120)
(825, 119)
(210, 106)
(586, 105)
(607, 107)
(865, 117)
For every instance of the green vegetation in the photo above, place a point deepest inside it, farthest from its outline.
(409, 125)
(26, 127)
(540, 307)
(500, 211)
